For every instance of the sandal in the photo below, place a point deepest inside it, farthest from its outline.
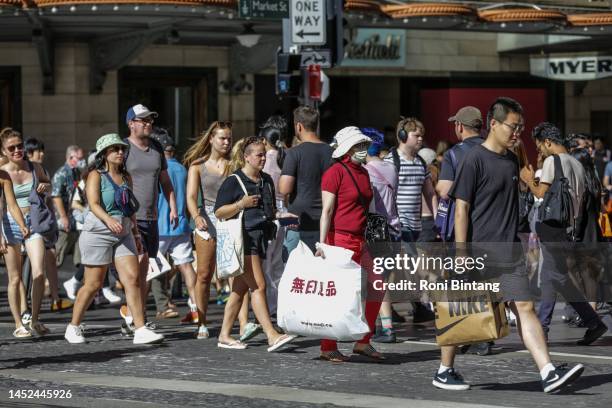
(370, 352)
(334, 356)
(22, 333)
(280, 342)
(250, 330)
(202, 332)
(234, 345)
(167, 314)
(39, 328)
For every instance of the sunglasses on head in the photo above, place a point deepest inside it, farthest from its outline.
(223, 125)
(13, 148)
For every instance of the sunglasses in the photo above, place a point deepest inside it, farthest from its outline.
(13, 148)
(145, 121)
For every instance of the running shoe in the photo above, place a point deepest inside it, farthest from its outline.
(26, 318)
(202, 332)
(111, 296)
(561, 377)
(71, 286)
(191, 318)
(450, 380)
(74, 334)
(127, 330)
(143, 335)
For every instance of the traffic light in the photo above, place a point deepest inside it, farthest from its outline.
(287, 83)
(336, 23)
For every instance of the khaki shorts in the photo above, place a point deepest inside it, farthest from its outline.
(99, 246)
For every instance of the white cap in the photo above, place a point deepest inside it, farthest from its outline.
(427, 154)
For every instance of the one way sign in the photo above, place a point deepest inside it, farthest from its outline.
(308, 22)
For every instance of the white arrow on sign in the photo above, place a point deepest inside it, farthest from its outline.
(308, 23)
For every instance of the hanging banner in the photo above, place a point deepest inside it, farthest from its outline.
(572, 68)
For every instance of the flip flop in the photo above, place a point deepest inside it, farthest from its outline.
(233, 345)
(250, 330)
(280, 342)
(370, 352)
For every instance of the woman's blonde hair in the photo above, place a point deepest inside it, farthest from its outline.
(203, 146)
(240, 149)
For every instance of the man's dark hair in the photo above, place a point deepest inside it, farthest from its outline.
(500, 109)
(307, 116)
(32, 145)
(548, 131)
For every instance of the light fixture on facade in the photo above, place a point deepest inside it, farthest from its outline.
(248, 38)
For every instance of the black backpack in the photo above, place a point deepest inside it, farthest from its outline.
(557, 207)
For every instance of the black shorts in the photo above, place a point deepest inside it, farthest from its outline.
(149, 233)
(514, 283)
(255, 243)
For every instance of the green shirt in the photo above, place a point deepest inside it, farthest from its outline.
(107, 196)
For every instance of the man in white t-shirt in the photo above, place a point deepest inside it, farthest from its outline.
(554, 238)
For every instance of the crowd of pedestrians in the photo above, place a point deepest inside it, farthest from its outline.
(131, 201)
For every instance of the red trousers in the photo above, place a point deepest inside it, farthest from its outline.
(372, 307)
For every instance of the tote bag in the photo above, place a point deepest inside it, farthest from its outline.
(230, 244)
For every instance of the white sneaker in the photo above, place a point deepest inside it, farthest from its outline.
(111, 296)
(143, 335)
(74, 334)
(71, 286)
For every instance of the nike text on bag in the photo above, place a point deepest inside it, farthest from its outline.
(230, 244)
(321, 298)
(158, 266)
(474, 317)
(556, 209)
(42, 218)
(125, 200)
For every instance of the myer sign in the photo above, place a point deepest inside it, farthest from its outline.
(375, 48)
(572, 68)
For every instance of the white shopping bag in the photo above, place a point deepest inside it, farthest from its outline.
(158, 266)
(321, 298)
(230, 244)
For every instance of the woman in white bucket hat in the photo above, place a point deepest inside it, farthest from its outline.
(346, 195)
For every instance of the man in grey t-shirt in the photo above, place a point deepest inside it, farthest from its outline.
(147, 165)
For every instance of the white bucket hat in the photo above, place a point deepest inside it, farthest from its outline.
(347, 138)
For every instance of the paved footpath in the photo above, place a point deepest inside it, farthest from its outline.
(109, 371)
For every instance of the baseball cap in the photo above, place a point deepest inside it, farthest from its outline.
(164, 138)
(469, 116)
(139, 111)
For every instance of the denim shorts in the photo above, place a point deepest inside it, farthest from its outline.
(12, 233)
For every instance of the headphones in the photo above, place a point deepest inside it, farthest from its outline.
(402, 135)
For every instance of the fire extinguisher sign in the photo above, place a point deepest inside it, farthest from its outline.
(308, 22)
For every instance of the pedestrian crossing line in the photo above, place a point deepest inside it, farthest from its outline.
(251, 391)
(552, 353)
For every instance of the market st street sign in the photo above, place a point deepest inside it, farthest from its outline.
(572, 68)
(308, 22)
(264, 9)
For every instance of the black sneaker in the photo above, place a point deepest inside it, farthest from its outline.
(450, 380)
(480, 349)
(561, 377)
(593, 334)
(127, 330)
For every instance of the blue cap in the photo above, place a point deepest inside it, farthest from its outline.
(139, 111)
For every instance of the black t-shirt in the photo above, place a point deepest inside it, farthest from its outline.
(489, 182)
(255, 218)
(448, 171)
(307, 162)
